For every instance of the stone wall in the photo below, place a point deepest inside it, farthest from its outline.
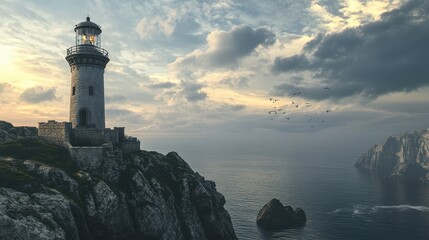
(55, 132)
(111, 135)
(87, 137)
(130, 144)
(87, 158)
(61, 133)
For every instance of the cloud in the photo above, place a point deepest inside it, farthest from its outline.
(120, 115)
(150, 26)
(293, 63)
(374, 59)
(226, 48)
(38, 94)
(192, 91)
(162, 85)
(3, 87)
(183, 93)
(115, 98)
(235, 82)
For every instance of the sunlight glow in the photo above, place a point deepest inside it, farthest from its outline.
(6, 55)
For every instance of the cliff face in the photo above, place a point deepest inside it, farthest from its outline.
(144, 195)
(405, 156)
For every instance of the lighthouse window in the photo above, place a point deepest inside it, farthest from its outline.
(92, 39)
(91, 90)
(74, 91)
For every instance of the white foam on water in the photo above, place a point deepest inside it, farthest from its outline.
(363, 209)
(403, 208)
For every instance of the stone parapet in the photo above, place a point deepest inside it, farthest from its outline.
(55, 132)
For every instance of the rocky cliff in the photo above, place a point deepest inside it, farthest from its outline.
(405, 156)
(9, 132)
(143, 195)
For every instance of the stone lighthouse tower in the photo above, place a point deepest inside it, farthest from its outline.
(87, 61)
(85, 135)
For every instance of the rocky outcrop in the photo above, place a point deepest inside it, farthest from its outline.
(405, 156)
(275, 216)
(143, 195)
(9, 132)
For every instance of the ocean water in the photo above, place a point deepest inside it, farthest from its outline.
(340, 201)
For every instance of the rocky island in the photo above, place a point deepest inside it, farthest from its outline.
(275, 216)
(44, 194)
(405, 156)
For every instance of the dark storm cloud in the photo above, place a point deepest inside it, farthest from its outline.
(293, 63)
(38, 94)
(386, 56)
(192, 91)
(162, 85)
(226, 48)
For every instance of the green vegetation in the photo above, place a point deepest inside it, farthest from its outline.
(39, 151)
(14, 176)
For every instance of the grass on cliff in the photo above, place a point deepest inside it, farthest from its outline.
(12, 176)
(39, 151)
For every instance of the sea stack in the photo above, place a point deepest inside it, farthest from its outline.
(275, 216)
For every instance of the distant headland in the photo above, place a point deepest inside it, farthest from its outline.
(405, 156)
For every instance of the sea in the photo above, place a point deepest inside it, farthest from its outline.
(340, 201)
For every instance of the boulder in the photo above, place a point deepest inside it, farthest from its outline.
(275, 216)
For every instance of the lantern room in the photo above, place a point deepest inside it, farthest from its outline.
(88, 33)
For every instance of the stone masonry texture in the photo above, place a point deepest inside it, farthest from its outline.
(82, 77)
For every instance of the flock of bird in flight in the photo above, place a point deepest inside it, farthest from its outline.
(289, 111)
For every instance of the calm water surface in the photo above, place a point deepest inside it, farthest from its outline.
(340, 201)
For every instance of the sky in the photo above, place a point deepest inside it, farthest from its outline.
(200, 74)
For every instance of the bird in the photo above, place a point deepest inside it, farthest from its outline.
(287, 118)
(273, 100)
(293, 102)
(326, 88)
(327, 111)
(275, 112)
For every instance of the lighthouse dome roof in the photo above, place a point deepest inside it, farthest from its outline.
(88, 24)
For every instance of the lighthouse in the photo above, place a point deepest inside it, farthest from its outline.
(85, 134)
(87, 62)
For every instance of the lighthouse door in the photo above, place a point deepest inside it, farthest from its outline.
(83, 117)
